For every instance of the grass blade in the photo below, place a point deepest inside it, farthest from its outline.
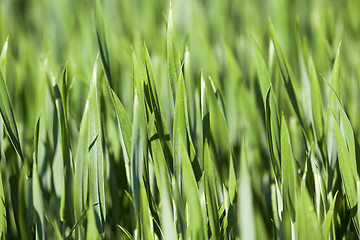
(8, 116)
(246, 214)
(316, 103)
(96, 160)
(288, 170)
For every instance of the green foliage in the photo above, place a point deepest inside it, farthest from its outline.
(204, 132)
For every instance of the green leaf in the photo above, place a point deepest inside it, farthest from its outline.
(173, 57)
(37, 193)
(145, 216)
(96, 159)
(287, 74)
(92, 229)
(210, 193)
(8, 116)
(191, 194)
(346, 169)
(3, 218)
(81, 171)
(100, 34)
(246, 214)
(288, 170)
(308, 225)
(139, 135)
(124, 125)
(328, 219)
(316, 103)
(25, 204)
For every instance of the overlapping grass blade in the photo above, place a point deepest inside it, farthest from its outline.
(210, 193)
(173, 57)
(6, 109)
(287, 75)
(326, 224)
(147, 229)
(26, 212)
(288, 170)
(81, 171)
(308, 225)
(191, 190)
(96, 159)
(316, 103)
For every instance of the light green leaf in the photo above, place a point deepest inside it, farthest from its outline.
(8, 116)
(92, 232)
(96, 159)
(81, 171)
(3, 218)
(288, 170)
(25, 202)
(246, 214)
(346, 168)
(328, 219)
(173, 57)
(210, 193)
(287, 74)
(316, 103)
(191, 192)
(145, 216)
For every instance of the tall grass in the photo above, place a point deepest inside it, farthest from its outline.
(150, 120)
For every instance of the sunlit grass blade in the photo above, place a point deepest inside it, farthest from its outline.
(346, 169)
(37, 192)
(210, 193)
(139, 135)
(124, 125)
(92, 229)
(25, 207)
(308, 225)
(246, 214)
(173, 57)
(96, 160)
(326, 224)
(147, 229)
(81, 173)
(270, 105)
(287, 75)
(191, 190)
(316, 103)
(288, 170)
(100, 34)
(8, 116)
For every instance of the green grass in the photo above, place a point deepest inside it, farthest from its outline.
(181, 120)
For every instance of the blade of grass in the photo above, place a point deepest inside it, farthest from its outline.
(328, 219)
(316, 103)
(288, 170)
(246, 212)
(96, 160)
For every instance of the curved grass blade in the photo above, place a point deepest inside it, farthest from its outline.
(37, 193)
(288, 170)
(92, 229)
(346, 169)
(96, 160)
(287, 75)
(8, 116)
(3, 57)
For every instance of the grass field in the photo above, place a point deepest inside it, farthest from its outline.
(185, 120)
